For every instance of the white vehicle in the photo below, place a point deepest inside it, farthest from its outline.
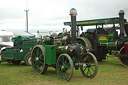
(49, 33)
(6, 39)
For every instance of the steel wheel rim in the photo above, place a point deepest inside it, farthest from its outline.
(85, 42)
(29, 60)
(124, 60)
(64, 67)
(38, 59)
(90, 66)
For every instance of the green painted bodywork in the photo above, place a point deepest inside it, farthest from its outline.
(52, 51)
(112, 45)
(18, 39)
(50, 54)
(103, 39)
(46, 40)
(108, 40)
(22, 46)
(10, 54)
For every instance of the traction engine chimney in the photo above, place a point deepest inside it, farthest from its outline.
(121, 19)
(73, 13)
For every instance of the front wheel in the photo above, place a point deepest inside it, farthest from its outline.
(28, 60)
(64, 67)
(89, 66)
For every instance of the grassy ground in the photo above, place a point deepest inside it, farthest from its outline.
(110, 72)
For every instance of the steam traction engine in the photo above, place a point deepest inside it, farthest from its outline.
(64, 53)
(101, 40)
(21, 51)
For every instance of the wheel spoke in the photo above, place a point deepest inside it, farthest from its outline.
(92, 69)
(62, 61)
(41, 56)
(67, 67)
(85, 69)
(89, 71)
(37, 66)
(59, 65)
(37, 52)
(41, 62)
(34, 54)
(66, 71)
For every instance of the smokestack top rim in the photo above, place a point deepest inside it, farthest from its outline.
(121, 12)
(73, 12)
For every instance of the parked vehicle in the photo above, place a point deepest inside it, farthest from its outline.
(21, 51)
(6, 40)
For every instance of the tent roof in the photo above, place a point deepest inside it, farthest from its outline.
(23, 34)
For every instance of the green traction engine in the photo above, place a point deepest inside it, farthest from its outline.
(64, 54)
(103, 40)
(21, 51)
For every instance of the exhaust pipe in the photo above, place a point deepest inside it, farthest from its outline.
(73, 13)
(121, 22)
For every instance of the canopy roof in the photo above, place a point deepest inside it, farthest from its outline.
(96, 22)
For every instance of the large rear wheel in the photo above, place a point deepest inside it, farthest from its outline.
(64, 67)
(89, 66)
(124, 60)
(85, 42)
(38, 59)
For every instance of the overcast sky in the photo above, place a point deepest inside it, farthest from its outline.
(47, 15)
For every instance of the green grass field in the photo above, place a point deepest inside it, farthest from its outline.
(110, 72)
